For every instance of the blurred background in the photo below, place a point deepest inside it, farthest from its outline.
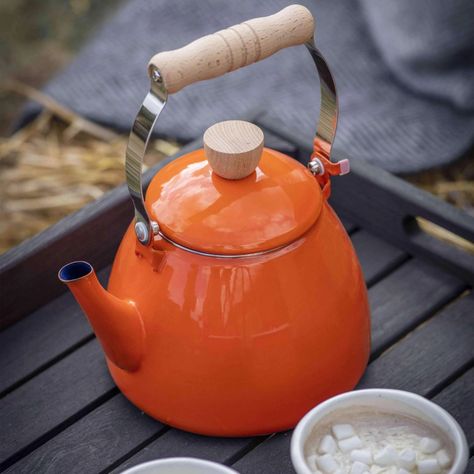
(60, 161)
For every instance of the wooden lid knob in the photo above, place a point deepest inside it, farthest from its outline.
(233, 148)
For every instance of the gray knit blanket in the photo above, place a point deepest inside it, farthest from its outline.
(404, 71)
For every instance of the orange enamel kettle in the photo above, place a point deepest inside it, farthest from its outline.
(236, 301)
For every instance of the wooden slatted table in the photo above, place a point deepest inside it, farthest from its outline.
(60, 412)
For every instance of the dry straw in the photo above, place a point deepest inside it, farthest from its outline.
(55, 165)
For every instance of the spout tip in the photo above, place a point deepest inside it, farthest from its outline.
(74, 271)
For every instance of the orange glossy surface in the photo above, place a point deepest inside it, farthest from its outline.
(195, 207)
(246, 346)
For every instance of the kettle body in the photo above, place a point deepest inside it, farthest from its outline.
(236, 301)
(244, 346)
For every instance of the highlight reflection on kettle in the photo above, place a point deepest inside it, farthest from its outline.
(236, 301)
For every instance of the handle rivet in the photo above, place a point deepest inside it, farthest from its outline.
(316, 167)
(141, 232)
(155, 75)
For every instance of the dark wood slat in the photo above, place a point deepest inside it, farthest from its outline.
(407, 297)
(428, 356)
(42, 337)
(178, 443)
(93, 443)
(458, 399)
(385, 205)
(418, 363)
(369, 248)
(470, 466)
(47, 401)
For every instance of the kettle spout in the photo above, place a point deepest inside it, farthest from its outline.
(116, 323)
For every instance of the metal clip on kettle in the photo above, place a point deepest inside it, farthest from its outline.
(236, 301)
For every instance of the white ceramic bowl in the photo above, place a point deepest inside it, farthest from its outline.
(180, 466)
(395, 401)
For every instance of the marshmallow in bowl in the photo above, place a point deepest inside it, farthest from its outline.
(371, 442)
(327, 445)
(343, 431)
(429, 445)
(362, 455)
(349, 444)
(327, 463)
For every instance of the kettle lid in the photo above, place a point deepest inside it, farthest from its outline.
(234, 196)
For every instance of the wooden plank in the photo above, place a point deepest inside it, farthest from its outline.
(470, 466)
(386, 205)
(67, 390)
(424, 360)
(369, 249)
(45, 336)
(405, 298)
(93, 443)
(458, 399)
(418, 363)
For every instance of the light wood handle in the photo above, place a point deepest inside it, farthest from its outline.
(233, 48)
(233, 148)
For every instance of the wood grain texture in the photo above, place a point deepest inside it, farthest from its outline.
(233, 148)
(235, 47)
(407, 297)
(412, 365)
(458, 399)
(45, 335)
(94, 443)
(30, 413)
(387, 206)
(369, 249)
(424, 360)
(470, 466)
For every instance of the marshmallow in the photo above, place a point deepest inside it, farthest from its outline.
(343, 431)
(443, 458)
(327, 445)
(311, 462)
(348, 444)
(362, 455)
(359, 468)
(327, 464)
(407, 459)
(429, 445)
(403, 471)
(428, 466)
(386, 456)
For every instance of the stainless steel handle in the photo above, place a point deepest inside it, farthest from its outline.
(153, 105)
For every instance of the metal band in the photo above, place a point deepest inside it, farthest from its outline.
(153, 105)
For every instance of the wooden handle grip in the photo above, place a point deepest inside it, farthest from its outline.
(233, 48)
